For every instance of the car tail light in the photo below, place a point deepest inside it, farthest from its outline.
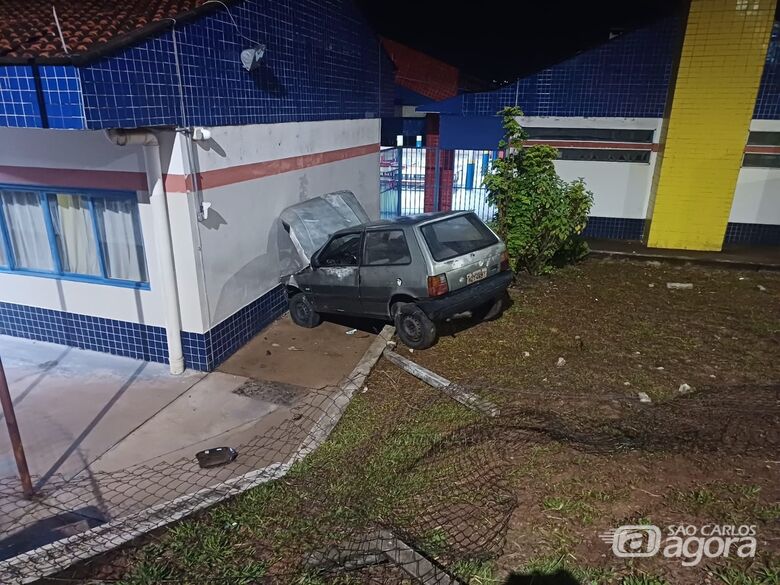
(504, 260)
(437, 285)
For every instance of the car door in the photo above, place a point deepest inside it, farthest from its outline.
(333, 285)
(386, 269)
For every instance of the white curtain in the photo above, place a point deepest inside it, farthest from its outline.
(76, 238)
(27, 230)
(3, 255)
(121, 239)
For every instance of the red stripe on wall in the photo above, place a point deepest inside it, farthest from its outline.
(249, 172)
(136, 181)
(598, 144)
(74, 178)
(762, 149)
(177, 184)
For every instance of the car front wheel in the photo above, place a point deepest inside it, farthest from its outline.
(414, 327)
(302, 311)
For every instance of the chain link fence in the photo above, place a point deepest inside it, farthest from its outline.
(412, 487)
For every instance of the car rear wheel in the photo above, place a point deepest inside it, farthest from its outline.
(414, 327)
(302, 311)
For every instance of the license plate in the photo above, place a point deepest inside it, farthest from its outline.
(472, 277)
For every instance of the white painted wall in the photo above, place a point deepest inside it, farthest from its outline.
(90, 150)
(757, 195)
(580, 122)
(619, 189)
(239, 248)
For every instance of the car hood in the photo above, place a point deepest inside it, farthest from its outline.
(310, 223)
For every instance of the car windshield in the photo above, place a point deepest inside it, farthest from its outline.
(456, 236)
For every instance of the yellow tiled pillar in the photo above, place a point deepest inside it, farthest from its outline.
(714, 95)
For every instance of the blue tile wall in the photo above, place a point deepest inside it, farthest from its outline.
(61, 86)
(618, 228)
(628, 76)
(388, 87)
(322, 62)
(201, 351)
(236, 330)
(768, 100)
(614, 228)
(752, 233)
(84, 331)
(18, 101)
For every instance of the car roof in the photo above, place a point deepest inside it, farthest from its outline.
(403, 221)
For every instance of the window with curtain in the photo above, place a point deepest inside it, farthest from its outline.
(86, 236)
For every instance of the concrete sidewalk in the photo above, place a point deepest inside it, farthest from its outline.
(109, 436)
(73, 405)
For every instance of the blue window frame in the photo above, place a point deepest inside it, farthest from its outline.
(72, 234)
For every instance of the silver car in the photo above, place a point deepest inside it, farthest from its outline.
(416, 270)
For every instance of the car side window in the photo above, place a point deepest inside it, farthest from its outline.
(386, 248)
(341, 251)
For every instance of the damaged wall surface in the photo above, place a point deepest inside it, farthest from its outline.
(260, 171)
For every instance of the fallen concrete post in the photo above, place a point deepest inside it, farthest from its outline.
(454, 391)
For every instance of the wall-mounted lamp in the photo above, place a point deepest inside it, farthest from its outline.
(250, 58)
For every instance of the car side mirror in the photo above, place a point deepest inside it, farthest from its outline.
(315, 262)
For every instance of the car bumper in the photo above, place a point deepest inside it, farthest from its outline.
(467, 298)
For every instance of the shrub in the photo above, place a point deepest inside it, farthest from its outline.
(539, 215)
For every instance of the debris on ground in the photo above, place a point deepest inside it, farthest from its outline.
(651, 285)
(293, 348)
(679, 285)
(454, 391)
(643, 397)
(351, 332)
(561, 362)
(654, 263)
(684, 388)
(761, 287)
(526, 354)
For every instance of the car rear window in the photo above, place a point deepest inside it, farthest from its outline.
(456, 236)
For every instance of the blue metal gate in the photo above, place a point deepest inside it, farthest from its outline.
(414, 180)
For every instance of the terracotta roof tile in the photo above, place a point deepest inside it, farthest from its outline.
(28, 30)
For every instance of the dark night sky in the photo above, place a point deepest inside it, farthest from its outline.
(506, 39)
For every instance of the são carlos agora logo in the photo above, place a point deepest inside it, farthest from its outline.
(687, 543)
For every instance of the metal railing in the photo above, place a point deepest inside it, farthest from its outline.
(414, 180)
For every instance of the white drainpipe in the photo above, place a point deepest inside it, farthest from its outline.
(162, 233)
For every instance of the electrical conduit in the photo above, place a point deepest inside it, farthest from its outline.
(162, 232)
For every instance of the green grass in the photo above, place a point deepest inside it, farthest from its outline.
(643, 579)
(381, 465)
(434, 542)
(552, 565)
(727, 502)
(762, 575)
(361, 474)
(475, 572)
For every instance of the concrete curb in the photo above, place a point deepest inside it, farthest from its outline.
(61, 554)
(684, 259)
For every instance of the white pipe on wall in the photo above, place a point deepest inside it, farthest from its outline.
(162, 232)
